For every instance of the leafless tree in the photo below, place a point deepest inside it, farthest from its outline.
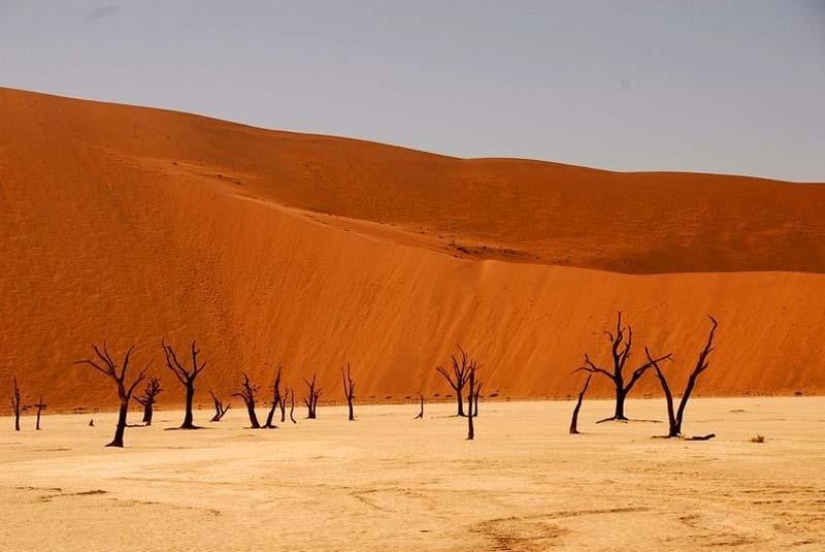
(458, 379)
(107, 366)
(276, 400)
(574, 421)
(621, 342)
(292, 406)
(675, 418)
(186, 377)
(471, 380)
(421, 407)
(15, 404)
(311, 400)
(41, 406)
(247, 393)
(148, 399)
(349, 389)
(220, 409)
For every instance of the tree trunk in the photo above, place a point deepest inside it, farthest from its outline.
(121, 424)
(574, 422)
(471, 433)
(621, 395)
(351, 412)
(253, 417)
(421, 410)
(188, 420)
(292, 406)
(148, 412)
(460, 401)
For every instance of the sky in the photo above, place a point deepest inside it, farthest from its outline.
(733, 86)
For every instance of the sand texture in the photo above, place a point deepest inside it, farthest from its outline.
(129, 224)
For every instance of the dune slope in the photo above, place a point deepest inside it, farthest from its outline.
(129, 224)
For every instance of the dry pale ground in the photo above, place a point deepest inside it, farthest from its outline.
(387, 482)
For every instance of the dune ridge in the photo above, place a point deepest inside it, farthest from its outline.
(269, 247)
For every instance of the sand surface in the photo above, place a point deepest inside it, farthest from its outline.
(129, 224)
(387, 482)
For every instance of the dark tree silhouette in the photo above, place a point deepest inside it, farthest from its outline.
(574, 421)
(471, 381)
(186, 377)
(311, 400)
(675, 418)
(220, 409)
(247, 393)
(148, 399)
(458, 378)
(292, 406)
(349, 389)
(276, 400)
(621, 343)
(106, 366)
(15, 404)
(421, 407)
(41, 406)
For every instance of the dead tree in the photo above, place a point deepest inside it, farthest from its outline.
(220, 410)
(292, 406)
(247, 393)
(276, 400)
(421, 407)
(349, 389)
(148, 399)
(471, 380)
(186, 377)
(15, 404)
(311, 400)
(675, 418)
(41, 406)
(458, 379)
(574, 421)
(106, 366)
(621, 343)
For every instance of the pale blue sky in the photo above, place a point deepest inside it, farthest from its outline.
(720, 86)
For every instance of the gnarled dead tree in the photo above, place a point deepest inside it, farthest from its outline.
(621, 342)
(574, 421)
(349, 389)
(15, 404)
(40, 406)
(675, 418)
(106, 366)
(186, 377)
(247, 393)
(148, 399)
(458, 379)
(471, 395)
(292, 406)
(220, 409)
(311, 400)
(276, 400)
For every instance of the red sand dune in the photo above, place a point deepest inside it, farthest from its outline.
(127, 224)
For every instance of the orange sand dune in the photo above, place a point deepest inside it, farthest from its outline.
(129, 224)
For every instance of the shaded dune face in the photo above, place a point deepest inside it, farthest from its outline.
(129, 224)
